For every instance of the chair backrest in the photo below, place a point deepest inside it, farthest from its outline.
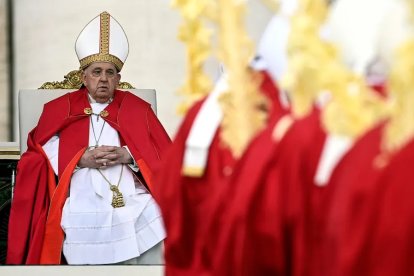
(31, 105)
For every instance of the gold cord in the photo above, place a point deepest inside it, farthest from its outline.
(117, 197)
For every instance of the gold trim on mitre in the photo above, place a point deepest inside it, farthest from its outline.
(73, 80)
(103, 46)
(104, 34)
(104, 54)
(85, 62)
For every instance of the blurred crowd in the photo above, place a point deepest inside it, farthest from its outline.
(300, 161)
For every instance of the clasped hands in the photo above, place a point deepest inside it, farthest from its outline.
(104, 156)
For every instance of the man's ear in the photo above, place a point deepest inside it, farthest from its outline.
(119, 77)
(83, 76)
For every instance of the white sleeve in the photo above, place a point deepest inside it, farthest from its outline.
(134, 165)
(51, 149)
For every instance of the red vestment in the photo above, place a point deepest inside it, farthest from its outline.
(258, 224)
(231, 233)
(369, 227)
(186, 202)
(35, 235)
(392, 246)
(271, 218)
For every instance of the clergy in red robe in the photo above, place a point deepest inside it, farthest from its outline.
(271, 221)
(391, 251)
(271, 217)
(236, 244)
(352, 212)
(185, 200)
(258, 226)
(82, 187)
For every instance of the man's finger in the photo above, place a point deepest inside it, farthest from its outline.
(107, 148)
(113, 163)
(112, 156)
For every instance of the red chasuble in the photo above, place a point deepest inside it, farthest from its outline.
(392, 246)
(258, 225)
(186, 202)
(271, 218)
(306, 204)
(370, 223)
(238, 224)
(35, 235)
(350, 219)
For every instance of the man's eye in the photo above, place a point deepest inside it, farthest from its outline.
(110, 73)
(96, 72)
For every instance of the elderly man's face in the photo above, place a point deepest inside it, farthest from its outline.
(101, 79)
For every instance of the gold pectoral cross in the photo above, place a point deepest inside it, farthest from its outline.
(117, 197)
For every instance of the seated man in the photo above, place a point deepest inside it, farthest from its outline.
(102, 144)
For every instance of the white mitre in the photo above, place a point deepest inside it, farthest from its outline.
(273, 43)
(102, 40)
(367, 32)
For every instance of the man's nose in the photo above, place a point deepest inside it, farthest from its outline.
(104, 77)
